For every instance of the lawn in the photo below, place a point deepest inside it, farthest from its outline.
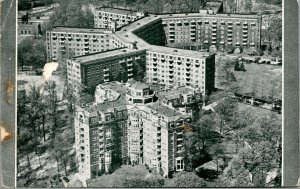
(265, 80)
(262, 80)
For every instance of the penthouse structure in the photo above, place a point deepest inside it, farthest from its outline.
(77, 41)
(113, 18)
(115, 65)
(116, 130)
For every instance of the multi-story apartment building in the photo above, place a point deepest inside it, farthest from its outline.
(156, 137)
(115, 65)
(116, 130)
(200, 31)
(113, 18)
(77, 41)
(177, 67)
(99, 132)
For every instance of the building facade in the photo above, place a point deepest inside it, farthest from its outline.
(114, 18)
(181, 70)
(156, 137)
(99, 132)
(116, 65)
(115, 130)
(200, 31)
(76, 41)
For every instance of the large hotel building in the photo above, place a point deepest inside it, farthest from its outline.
(131, 121)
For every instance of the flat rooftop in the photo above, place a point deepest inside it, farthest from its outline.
(80, 30)
(178, 52)
(117, 11)
(116, 86)
(163, 110)
(161, 94)
(127, 35)
(106, 54)
(197, 15)
(119, 104)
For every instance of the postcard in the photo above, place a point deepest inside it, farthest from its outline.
(149, 93)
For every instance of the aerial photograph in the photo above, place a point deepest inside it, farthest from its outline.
(149, 93)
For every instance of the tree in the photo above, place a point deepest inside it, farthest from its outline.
(254, 87)
(237, 51)
(242, 67)
(203, 128)
(189, 150)
(235, 174)
(187, 180)
(252, 51)
(225, 108)
(32, 52)
(34, 97)
(72, 14)
(274, 33)
(69, 94)
(248, 6)
(212, 49)
(167, 8)
(236, 66)
(52, 104)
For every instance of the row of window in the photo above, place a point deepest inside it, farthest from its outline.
(170, 57)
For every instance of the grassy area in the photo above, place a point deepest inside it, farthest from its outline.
(258, 113)
(262, 79)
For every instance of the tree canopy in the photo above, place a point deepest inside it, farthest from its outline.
(72, 14)
(187, 180)
(32, 52)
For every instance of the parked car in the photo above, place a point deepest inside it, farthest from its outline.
(66, 179)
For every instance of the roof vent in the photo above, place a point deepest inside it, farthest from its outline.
(124, 50)
(124, 30)
(175, 50)
(126, 35)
